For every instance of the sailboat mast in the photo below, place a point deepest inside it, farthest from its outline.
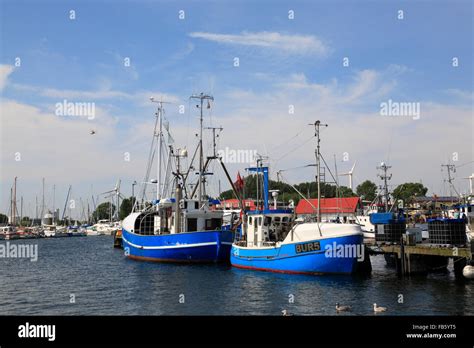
(42, 203)
(11, 205)
(14, 203)
(54, 198)
(21, 210)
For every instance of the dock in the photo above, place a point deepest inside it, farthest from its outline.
(422, 257)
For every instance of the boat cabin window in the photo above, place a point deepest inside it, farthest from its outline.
(250, 220)
(145, 224)
(196, 205)
(277, 219)
(259, 221)
(285, 219)
(213, 224)
(267, 221)
(192, 224)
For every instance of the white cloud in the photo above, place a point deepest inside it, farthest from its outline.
(5, 71)
(461, 94)
(295, 44)
(139, 97)
(62, 150)
(415, 148)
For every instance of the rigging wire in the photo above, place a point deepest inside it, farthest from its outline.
(287, 141)
(294, 149)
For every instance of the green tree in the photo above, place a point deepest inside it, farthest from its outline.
(287, 192)
(103, 211)
(368, 190)
(126, 207)
(3, 219)
(408, 191)
(345, 191)
(25, 221)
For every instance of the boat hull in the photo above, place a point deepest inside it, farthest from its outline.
(188, 247)
(286, 258)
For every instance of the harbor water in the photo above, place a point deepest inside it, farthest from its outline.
(87, 276)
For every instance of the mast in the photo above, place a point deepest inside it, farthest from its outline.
(42, 203)
(178, 190)
(14, 202)
(65, 202)
(21, 210)
(385, 177)
(316, 125)
(159, 114)
(450, 167)
(160, 135)
(11, 205)
(54, 211)
(201, 97)
(214, 155)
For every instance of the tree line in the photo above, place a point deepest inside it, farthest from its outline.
(367, 190)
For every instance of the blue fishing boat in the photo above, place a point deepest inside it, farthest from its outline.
(178, 226)
(272, 241)
(157, 234)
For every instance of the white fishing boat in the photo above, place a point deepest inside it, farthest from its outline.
(49, 229)
(91, 231)
(104, 227)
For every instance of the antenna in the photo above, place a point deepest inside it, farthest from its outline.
(450, 168)
(214, 136)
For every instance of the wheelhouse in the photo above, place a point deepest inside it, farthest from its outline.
(166, 218)
(267, 228)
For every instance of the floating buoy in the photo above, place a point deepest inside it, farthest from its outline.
(468, 272)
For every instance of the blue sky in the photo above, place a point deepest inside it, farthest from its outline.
(282, 62)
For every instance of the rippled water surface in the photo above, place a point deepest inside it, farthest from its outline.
(103, 282)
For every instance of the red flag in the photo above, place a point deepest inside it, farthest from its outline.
(239, 184)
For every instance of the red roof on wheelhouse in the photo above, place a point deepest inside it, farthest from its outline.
(328, 205)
